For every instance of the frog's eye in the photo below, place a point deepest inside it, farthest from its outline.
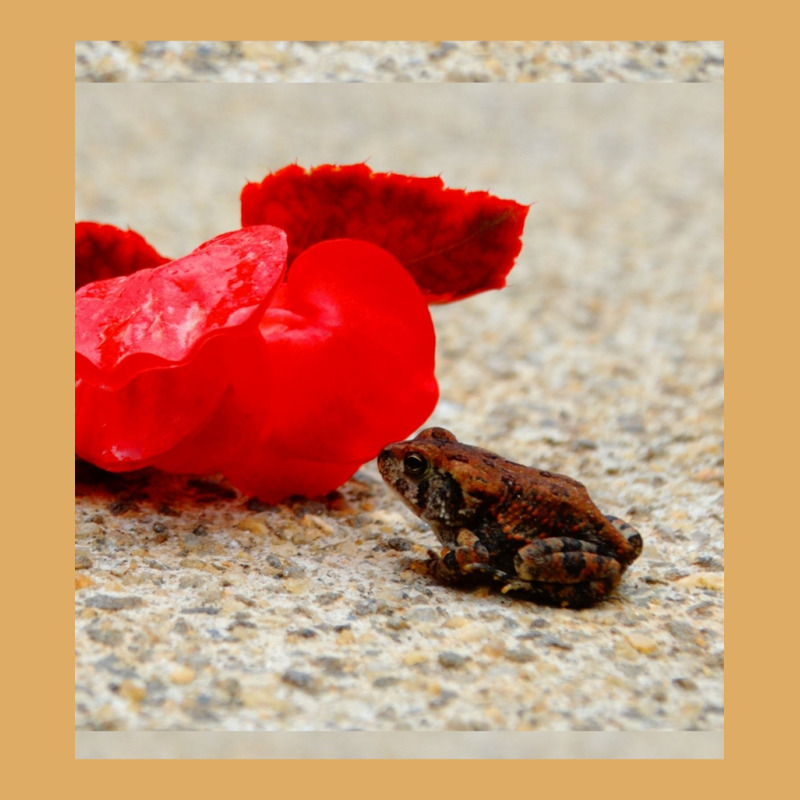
(414, 465)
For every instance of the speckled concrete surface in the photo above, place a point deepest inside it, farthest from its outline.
(399, 61)
(603, 358)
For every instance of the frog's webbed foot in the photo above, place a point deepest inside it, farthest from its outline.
(563, 595)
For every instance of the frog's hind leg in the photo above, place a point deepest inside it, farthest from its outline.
(564, 560)
(563, 571)
(560, 560)
(632, 536)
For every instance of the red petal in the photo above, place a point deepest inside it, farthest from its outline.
(159, 317)
(129, 428)
(152, 365)
(284, 475)
(104, 251)
(351, 348)
(454, 243)
(228, 436)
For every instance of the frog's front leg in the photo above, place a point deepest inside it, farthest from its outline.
(456, 564)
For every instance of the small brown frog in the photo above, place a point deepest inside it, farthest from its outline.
(535, 532)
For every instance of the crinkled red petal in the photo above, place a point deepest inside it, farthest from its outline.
(105, 251)
(158, 351)
(454, 243)
(152, 418)
(157, 318)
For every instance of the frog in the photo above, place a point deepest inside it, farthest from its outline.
(527, 531)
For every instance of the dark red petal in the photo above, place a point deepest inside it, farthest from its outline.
(351, 351)
(454, 243)
(159, 317)
(104, 251)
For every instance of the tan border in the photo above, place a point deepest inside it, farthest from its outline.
(40, 137)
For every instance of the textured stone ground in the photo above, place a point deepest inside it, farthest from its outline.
(602, 359)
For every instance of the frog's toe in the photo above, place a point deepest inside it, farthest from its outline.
(632, 536)
(516, 585)
(479, 568)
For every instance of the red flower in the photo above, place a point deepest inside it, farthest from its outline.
(284, 379)
(213, 363)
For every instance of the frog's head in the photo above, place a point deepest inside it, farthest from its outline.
(438, 478)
